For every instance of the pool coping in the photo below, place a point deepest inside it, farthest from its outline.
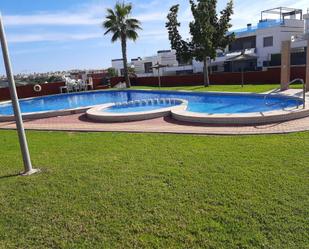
(252, 118)
(52, 113)
(97, 113)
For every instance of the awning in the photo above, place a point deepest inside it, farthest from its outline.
(242, 57)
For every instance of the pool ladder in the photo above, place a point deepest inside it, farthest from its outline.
(291, 82)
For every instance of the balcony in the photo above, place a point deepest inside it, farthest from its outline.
(261, 25)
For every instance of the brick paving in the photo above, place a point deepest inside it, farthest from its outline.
(79, 122)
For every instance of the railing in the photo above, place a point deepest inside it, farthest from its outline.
(260, 25)
(291, 82)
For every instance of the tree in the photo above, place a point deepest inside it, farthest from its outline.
(131, 72)
(182, 47)
(119, 23)
(208, 32)
(112, 72)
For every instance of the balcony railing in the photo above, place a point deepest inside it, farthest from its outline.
(261, 25)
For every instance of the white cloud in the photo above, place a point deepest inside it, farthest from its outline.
(151, 16)
(93, 15)
(148, 4)
(158, 34)
(23, 38)
(88, 15)
(85, 14)
(51, 19)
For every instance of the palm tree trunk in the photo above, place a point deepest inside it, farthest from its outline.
(125, 61)
(205, 72)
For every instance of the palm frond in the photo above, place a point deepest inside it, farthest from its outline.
(133, 23)
(110, 12)
(120, 11)
(118, 22)
(108, 24)
(131, 34)
(128, 8)
(116, 36)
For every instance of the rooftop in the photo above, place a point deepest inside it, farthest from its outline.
(261, 25)
(283, 13)
(272, 18)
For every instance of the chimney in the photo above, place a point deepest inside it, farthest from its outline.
(249, 26)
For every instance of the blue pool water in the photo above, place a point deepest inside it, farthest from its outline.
(137, 108)
(198, 102)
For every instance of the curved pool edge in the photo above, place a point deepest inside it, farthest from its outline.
(97, 113)
(54, 113)
(47, 114)
(256, 118)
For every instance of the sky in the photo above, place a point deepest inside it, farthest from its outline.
(51, 35)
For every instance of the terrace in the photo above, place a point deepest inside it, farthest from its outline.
(271, 18)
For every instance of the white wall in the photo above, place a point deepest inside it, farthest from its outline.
(138, 66)
(306, 17)
(164, 58)
(169, 71)
(168, 58)
(197, 66)
(117, 65)
(279, 34)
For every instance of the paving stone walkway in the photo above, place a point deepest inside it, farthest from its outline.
(79, 122)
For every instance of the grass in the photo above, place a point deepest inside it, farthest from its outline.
(114, 190)
(223, 88)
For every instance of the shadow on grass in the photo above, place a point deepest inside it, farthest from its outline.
(84, 118)
(170, 120)
(9, 176)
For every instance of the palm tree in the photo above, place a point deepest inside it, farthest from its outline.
(119, 23)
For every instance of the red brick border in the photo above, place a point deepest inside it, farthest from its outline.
(79, 122)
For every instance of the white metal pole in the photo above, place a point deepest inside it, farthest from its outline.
(15, 103)
(159, 77)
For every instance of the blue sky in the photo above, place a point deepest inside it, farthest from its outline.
(49, 35)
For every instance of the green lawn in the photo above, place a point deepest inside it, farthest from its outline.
(223, 88)
(115, 190)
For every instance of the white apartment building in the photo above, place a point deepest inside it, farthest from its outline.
(143, 67)
(255, 47)
(260, 42)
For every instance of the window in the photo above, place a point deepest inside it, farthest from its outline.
(268, 41)
(184, 72)
(247, 45)
(148, 67)
(266, 63)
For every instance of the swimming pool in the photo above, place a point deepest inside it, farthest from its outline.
(200, 103)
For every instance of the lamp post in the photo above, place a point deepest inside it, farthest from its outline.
(28, 170)
(158, 66)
